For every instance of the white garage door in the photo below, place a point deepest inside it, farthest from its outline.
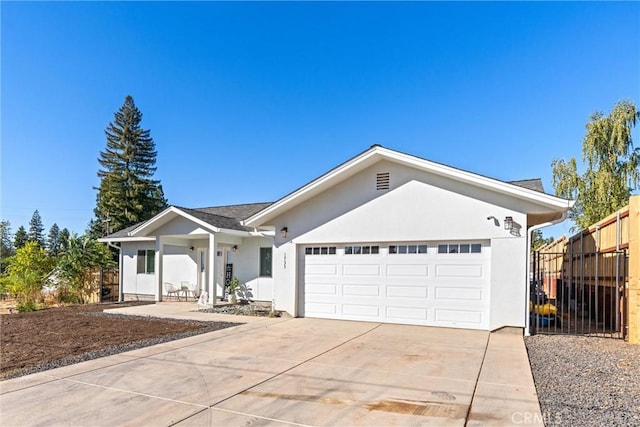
(433, 284)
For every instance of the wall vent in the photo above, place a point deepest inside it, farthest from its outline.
(382, 181)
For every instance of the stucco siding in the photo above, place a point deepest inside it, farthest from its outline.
(179, 226)
(417, 206)
(179, 265)
(134, 283)
(246, 267)
(285, 272)
(508, 283)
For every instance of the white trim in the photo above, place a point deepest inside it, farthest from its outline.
(377, 153)
(171, 209)
(126, 239)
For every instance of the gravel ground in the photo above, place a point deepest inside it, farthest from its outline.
(586, 381)
(115, 349)
(242, 310)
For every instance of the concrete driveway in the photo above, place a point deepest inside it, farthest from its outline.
(291, 372)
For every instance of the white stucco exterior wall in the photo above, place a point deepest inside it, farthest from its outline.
(508, 280)
(179, 265)
(246, 267)
(132, 282)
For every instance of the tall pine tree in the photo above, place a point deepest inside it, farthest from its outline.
(63, 238)
(53, 240)
(36, 229)
(127, 194)
(20, 238)
(6, 245)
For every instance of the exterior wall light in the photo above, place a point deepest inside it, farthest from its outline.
(283, 232)
(508, 223)
(234, 248)
(191, 250)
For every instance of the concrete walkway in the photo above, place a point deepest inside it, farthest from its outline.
(280, 371)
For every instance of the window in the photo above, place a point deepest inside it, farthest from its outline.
(265, 262)
(408, 249)
(462, 248)
(361, 250)
(323, 250)
(146, 261)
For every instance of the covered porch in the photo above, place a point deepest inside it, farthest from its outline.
(182, 254)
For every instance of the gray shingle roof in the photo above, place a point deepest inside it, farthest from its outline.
(125, 231)
(239, 212)
(532, 184)
(227, 217)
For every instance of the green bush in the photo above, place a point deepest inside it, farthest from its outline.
(24, 306)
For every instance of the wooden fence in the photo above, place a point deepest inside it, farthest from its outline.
(102, 285)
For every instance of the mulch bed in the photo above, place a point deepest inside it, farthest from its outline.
(59, 336)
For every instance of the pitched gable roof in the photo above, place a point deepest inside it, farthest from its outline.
(376, 153)
(227, 217)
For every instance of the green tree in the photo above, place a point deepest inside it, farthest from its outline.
(539, 240)
(74, 265)
(20, 238)
(611, 167)
(26, 273)
(63, 239)
(36, 229)
(53, 240)
(6, 244)
(127, 194)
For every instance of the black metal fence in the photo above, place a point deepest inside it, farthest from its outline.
(579, 294)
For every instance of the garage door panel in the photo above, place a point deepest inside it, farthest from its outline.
(371, 311)
(321, 288)
(458, 293)
(407, 291)
(321, 269)
(400, 313)
(472, 317)
(459, 270)
(415, 270)
(321, 308)
(361, 270)
(361, 290)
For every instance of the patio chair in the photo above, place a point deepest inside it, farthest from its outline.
(188, 288)
(170, 288)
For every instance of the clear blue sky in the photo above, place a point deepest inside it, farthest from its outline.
(248, 101)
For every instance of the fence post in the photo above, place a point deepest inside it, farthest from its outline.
(633, 289)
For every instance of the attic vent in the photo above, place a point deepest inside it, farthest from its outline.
(382, 181)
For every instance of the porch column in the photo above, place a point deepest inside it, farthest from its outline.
(158, 268)
(211, 259)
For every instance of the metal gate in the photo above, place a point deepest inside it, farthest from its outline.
(579, 293)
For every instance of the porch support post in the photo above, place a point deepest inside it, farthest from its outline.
(211, 259)
(158, 268)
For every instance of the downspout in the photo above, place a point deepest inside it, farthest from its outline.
(529, 241)
(120, 293)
